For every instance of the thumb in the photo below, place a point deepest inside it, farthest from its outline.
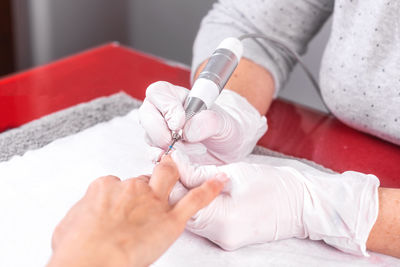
(192, 175)
(203, 125)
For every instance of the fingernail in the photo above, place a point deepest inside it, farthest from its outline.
(222, 177)
(165, 158)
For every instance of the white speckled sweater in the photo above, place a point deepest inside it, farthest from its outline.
(360, 70)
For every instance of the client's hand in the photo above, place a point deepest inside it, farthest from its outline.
(227, 132)
(127, 223)
(264, 203)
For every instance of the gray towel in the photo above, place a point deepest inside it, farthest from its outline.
(43, 131)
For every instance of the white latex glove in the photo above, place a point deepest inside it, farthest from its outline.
(263, 203)
(227, 132)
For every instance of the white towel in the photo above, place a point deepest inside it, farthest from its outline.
(38, 188)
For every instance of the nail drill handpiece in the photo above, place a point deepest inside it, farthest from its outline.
(211, 80)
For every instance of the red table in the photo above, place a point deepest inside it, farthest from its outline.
(293, 129)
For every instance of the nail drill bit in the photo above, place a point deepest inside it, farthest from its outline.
(175, 138)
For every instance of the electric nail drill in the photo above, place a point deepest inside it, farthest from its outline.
(211, 80)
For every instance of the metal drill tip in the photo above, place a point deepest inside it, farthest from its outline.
(171, 146)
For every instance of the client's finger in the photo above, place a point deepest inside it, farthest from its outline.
(192, 175)
(164, 177)
(198, 198)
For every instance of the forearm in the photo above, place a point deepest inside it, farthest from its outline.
(251, 81)
(385, 234)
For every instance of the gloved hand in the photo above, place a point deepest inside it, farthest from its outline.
(264, 203)
(225, 133)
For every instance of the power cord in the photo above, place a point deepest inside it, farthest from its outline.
(282, 46)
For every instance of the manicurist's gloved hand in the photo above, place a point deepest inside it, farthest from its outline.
(225, 133)
(262, 203)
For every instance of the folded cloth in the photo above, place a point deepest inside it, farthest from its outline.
(42, 131)
(37, 189)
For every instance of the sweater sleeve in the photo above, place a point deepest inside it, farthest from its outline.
(293, 23)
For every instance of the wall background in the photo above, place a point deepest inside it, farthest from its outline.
(50, 29)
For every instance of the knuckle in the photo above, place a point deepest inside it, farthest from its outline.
(108, 179)
(103, 181)
(130, 184)
(135, 184)
(129, 190)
